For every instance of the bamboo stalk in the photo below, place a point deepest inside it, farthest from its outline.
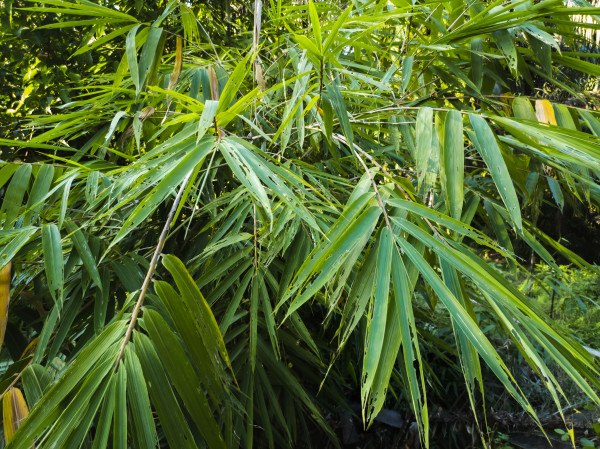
(153, 262)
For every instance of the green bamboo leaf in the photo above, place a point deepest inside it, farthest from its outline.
(101, 301)
(283, 375)
(65, 200)
(556, 192)
(507, 47)
(81, 23)
(376, 323)
(313, 52)
(120, 414)
(253, 340)
(184, 378)
(16, 239)
(563, 116)
(523, 109)
(191, 295)
(407, 65)
(234, 82)
(104, 422)
(91, 8)
(83, 249)
(468, 353)
(327, 259)
(138, 402)
(498, 226)
(36, 381)
(232, 309)
(6, 172)
(477, 61)
(574, 146)
(53, 259)
(591, 121)
(207, 118)
(321, 253)
(169, 179)
(213, 375)
(453, 163)
(333, 33)
(39, 191)
(404, 319)
(424, 134)
(339, 106)
(268, 315)
(15, 192)
(131, 53)
(75, 414)
(488, 148)
(47, 330)
(316, 26)
(48, 408)
(171, 417)
(468, 327)
(359, 296)
(81, 431)
(507, 296)
(149, 54)
(103, 40)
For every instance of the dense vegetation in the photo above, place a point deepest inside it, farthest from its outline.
(225, 225)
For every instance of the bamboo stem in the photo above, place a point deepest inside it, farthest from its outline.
(153, 262)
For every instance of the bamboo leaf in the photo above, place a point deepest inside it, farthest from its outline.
(139, 403)
(184, 378)
(544, 112)
(556, 192)
(190, 293)
(5, 278)
(120, 414)
(316, 26)
(16, 239)
(48, 408)
(83, 249)
(376, 324)
(453, 163)
(173, 422)
(39, 190)
(15, 192)
(488, 148)
(131, 53)
(14, 412)
(53, 259)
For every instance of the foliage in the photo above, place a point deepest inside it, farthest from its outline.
(322, 188)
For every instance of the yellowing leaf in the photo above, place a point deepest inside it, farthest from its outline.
(4, 299)
(14, 412)
(545, 112)
(178, 63)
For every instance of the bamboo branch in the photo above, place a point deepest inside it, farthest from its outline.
(153, 262)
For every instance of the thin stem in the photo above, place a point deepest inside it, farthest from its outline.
(343, 140)
(385, 215)
(153, 262)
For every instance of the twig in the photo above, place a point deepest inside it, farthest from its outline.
(385, 215)
(385, 172)
(16, 379)
(153, 262)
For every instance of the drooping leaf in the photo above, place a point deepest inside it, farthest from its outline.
(488, 148)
